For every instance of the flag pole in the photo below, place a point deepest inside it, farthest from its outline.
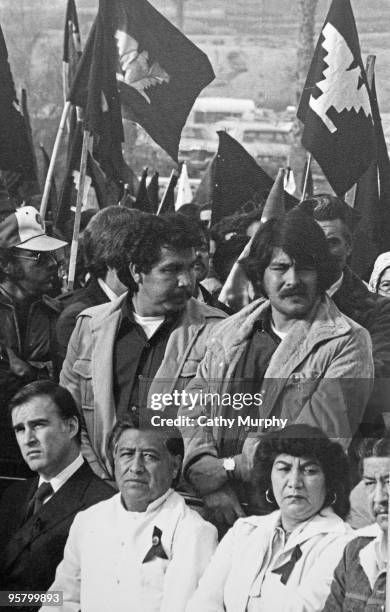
(308, 165)
(173, 173)
(87, 143)
(65, 87)
(50, 172)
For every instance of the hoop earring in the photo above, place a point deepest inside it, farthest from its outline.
(334, 500)
(268, 496)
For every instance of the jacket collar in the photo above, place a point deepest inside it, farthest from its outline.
(262, 536)
(68, 500)
(195, 311)
(326, 322)
(326, 521)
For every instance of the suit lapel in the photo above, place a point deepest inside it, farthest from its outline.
(68, 500)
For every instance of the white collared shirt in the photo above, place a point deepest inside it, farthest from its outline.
(58, 481)
(336, 286)
(106, 289)
(372, 557)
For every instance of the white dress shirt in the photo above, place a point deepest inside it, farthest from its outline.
(60, 479)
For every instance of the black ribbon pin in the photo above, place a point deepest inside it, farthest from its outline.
(286, 569)
(156, 550)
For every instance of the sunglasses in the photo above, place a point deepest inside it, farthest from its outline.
(40, 258)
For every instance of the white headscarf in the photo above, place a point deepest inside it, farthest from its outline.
(382, 262)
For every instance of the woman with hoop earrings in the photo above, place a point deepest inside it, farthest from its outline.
(284, 561)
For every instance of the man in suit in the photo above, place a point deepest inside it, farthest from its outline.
(36, 514)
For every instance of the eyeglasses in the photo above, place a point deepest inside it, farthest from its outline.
(40, 258)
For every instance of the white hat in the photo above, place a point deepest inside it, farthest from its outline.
(24, 229)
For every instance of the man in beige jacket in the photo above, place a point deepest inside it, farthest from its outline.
(293, 358)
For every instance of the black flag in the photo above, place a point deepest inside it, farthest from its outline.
(160, 72)
(335, 105)
(239, 183)
(16, 153)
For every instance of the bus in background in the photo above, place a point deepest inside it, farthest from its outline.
(215, 110)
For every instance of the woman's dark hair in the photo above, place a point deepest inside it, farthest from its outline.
(301, 238)
(60, 396)
(310, 442)
(172, 437)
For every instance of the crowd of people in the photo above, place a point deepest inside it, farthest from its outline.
(201, 424)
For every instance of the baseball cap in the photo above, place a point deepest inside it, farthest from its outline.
(24, 229)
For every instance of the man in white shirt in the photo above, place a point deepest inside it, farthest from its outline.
(143, 549)
(360, 578)
(35, 515)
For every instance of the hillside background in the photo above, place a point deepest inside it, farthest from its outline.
(251, 44)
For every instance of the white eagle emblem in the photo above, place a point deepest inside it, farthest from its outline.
(135, 68)
(342, 86)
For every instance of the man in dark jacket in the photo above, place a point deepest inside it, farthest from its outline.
(28, 271)
(353, 297)
(103, 243)
(35, 515)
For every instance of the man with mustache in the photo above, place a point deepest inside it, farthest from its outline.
(148, 341)
(306, 361)
(360, 578)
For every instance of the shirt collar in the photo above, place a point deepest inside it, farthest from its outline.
(151, 507)
(106, 289)
(372, 559)
(336, 286)
(60, 479)
(128, 309)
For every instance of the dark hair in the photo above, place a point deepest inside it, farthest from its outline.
(225, 226)
(311, 442)
(326, 207)
(60, 396)
(173, 231)
(105, 237)
(173, 440)
(301, 238)
(192, 211)
(373, 447)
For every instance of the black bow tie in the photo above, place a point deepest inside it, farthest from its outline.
(156, 550)
(286, 569)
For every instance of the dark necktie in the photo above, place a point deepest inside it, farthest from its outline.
(36, 502)
(286, 569)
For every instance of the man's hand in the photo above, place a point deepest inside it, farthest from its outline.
(223, 506)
